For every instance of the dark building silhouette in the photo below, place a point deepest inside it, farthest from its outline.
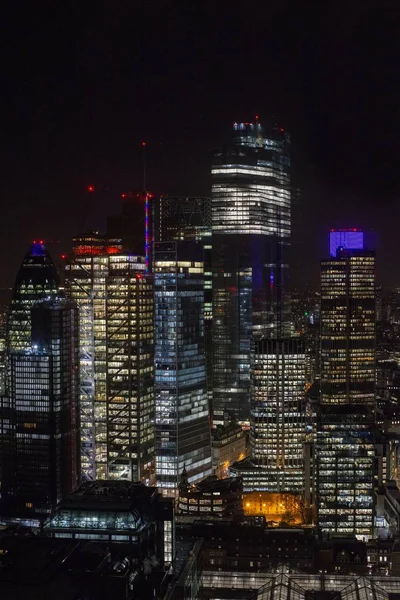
(134, 226)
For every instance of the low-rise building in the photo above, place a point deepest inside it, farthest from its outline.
(211, 497)
(118, 512)
(228, 446)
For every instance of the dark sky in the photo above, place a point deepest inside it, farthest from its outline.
(84, 83)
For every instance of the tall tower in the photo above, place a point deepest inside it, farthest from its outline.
(348, 328)
(180, 218)
(278, 423)
(37, 278)
(251, 228)
(40, 420)
(277, 418)
(115, 300)
(183, 437)
(345, 421)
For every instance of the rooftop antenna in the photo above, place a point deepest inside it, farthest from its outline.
(144, 165)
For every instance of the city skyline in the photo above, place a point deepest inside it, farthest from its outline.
(200, 345)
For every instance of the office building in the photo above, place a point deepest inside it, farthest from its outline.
(37, 278)
(278, 416)
(108, 539)
(118, 512)
(115, 300)
(212, 497)
(348, 328)
(182, 415)
(277, 419)
(178, 219)
(251, 229)
(229, 445)
(345, 470)
(40, 420)
(345, 453)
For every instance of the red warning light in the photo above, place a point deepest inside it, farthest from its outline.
(90, 188)
(144, 144)
(138, 276)
(257, 117)
(281, 129)
(63, 256)
(123, 195)
(41, 242)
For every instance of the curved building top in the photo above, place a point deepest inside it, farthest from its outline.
(251, 187)
(36, 279)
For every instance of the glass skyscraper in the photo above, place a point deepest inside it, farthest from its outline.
(277, 421)
(251, 228)
(39, 416)
(182, 417)
(348, 328)
(115, 299)
(277, 418)
(37, 278)
(189, 218)
(345, 470)
(345, 453)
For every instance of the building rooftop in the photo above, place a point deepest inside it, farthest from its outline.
(47, 568)
(222, 431)
(110, 495)
(110, 506)
(212, 484)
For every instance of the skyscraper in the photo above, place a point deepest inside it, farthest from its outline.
(251, 227)
(345, 419)
(345, 456)
(180, 218)
(115, 300)
(182, 417)
(37, 278)
(40, 418)
(277, 418)
(348, 328)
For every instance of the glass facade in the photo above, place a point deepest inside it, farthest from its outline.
(115, 299)
(345, 455)
(118, 512)
(182, 415)
(277, 421)
(348, 328)
(286, 583)
(40, 420)
(345, 473)
(37, 279)
(251, 226)
(180, 218)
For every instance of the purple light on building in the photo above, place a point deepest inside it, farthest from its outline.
(348, 239)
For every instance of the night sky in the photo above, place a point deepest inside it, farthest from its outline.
(84, 83)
